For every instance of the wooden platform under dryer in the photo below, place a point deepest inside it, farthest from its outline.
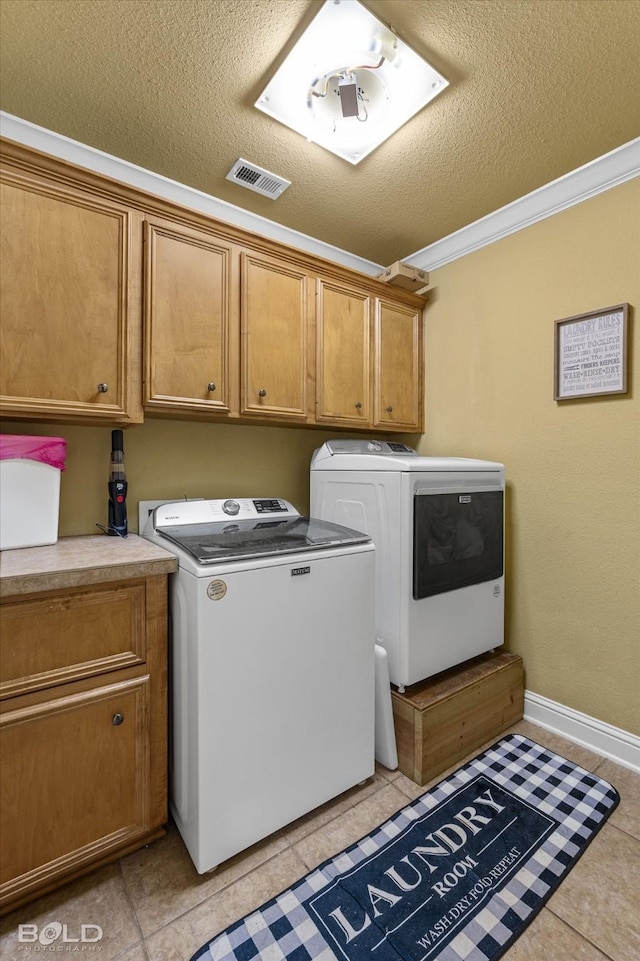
(441, 720)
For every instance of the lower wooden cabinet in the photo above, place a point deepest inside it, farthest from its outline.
(77, 770)
(83, 777)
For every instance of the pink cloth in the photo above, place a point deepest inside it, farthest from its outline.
(47, 450)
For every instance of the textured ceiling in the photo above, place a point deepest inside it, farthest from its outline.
(537, 89)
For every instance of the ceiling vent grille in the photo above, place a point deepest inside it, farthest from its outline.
(248, 175)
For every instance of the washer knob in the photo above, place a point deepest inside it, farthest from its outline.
(231, 507)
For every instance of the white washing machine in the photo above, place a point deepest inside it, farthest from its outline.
(438, 527)
(272, 666)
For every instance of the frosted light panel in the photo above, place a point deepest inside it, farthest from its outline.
(346, 44)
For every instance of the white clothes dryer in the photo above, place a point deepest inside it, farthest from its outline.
(272, 666)
(438, 528)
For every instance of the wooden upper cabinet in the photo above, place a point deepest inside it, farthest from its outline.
(343, 379)
(190, 319)
(275, 326)
(71, 307)
(235, 327)
(397, 392)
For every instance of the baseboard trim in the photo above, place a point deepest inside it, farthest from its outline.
(603, 173)
(611, 742)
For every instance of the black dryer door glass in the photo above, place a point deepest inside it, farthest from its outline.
(457, 540)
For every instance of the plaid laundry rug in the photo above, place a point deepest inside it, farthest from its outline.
(454, 876)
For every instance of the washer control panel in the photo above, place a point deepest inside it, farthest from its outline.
(177, 513)
(271, 506)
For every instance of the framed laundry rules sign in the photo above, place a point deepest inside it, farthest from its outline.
(590, 352)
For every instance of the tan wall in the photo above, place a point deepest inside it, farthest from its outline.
(573, 468)
(165, 458)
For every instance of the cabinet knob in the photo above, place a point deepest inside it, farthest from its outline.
(211, 385)
(117, 720)
(389, 409)
(357, 405)
(103, 388)
(262, 392)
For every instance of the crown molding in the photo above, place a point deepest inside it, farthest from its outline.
(72, 151)
(610, 170)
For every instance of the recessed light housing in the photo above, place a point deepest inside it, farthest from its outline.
(349, 82)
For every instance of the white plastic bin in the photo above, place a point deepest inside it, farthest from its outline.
(30, 469)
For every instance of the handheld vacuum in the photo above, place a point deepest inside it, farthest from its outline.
(117, 488)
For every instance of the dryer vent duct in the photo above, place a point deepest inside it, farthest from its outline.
(257, 178)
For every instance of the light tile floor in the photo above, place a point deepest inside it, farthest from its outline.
(153, 906)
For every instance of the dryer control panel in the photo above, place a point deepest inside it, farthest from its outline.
(380, 447)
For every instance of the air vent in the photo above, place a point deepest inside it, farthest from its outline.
(248, 175)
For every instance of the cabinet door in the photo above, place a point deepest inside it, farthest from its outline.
(398, 396)
(76, 768)
(81, 634)
(189, 319)
(71, 306)
(343, 386)
(275, 338)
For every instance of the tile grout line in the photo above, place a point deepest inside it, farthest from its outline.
(578, 932)
(131, 904)
(195, 907)
(282, 832)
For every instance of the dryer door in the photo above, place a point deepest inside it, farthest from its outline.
(457, 539)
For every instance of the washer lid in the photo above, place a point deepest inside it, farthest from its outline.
(234, 540)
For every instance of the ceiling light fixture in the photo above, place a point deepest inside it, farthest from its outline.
(349, 82)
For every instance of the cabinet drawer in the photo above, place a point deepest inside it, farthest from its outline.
(77, 770)
(65, 636)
